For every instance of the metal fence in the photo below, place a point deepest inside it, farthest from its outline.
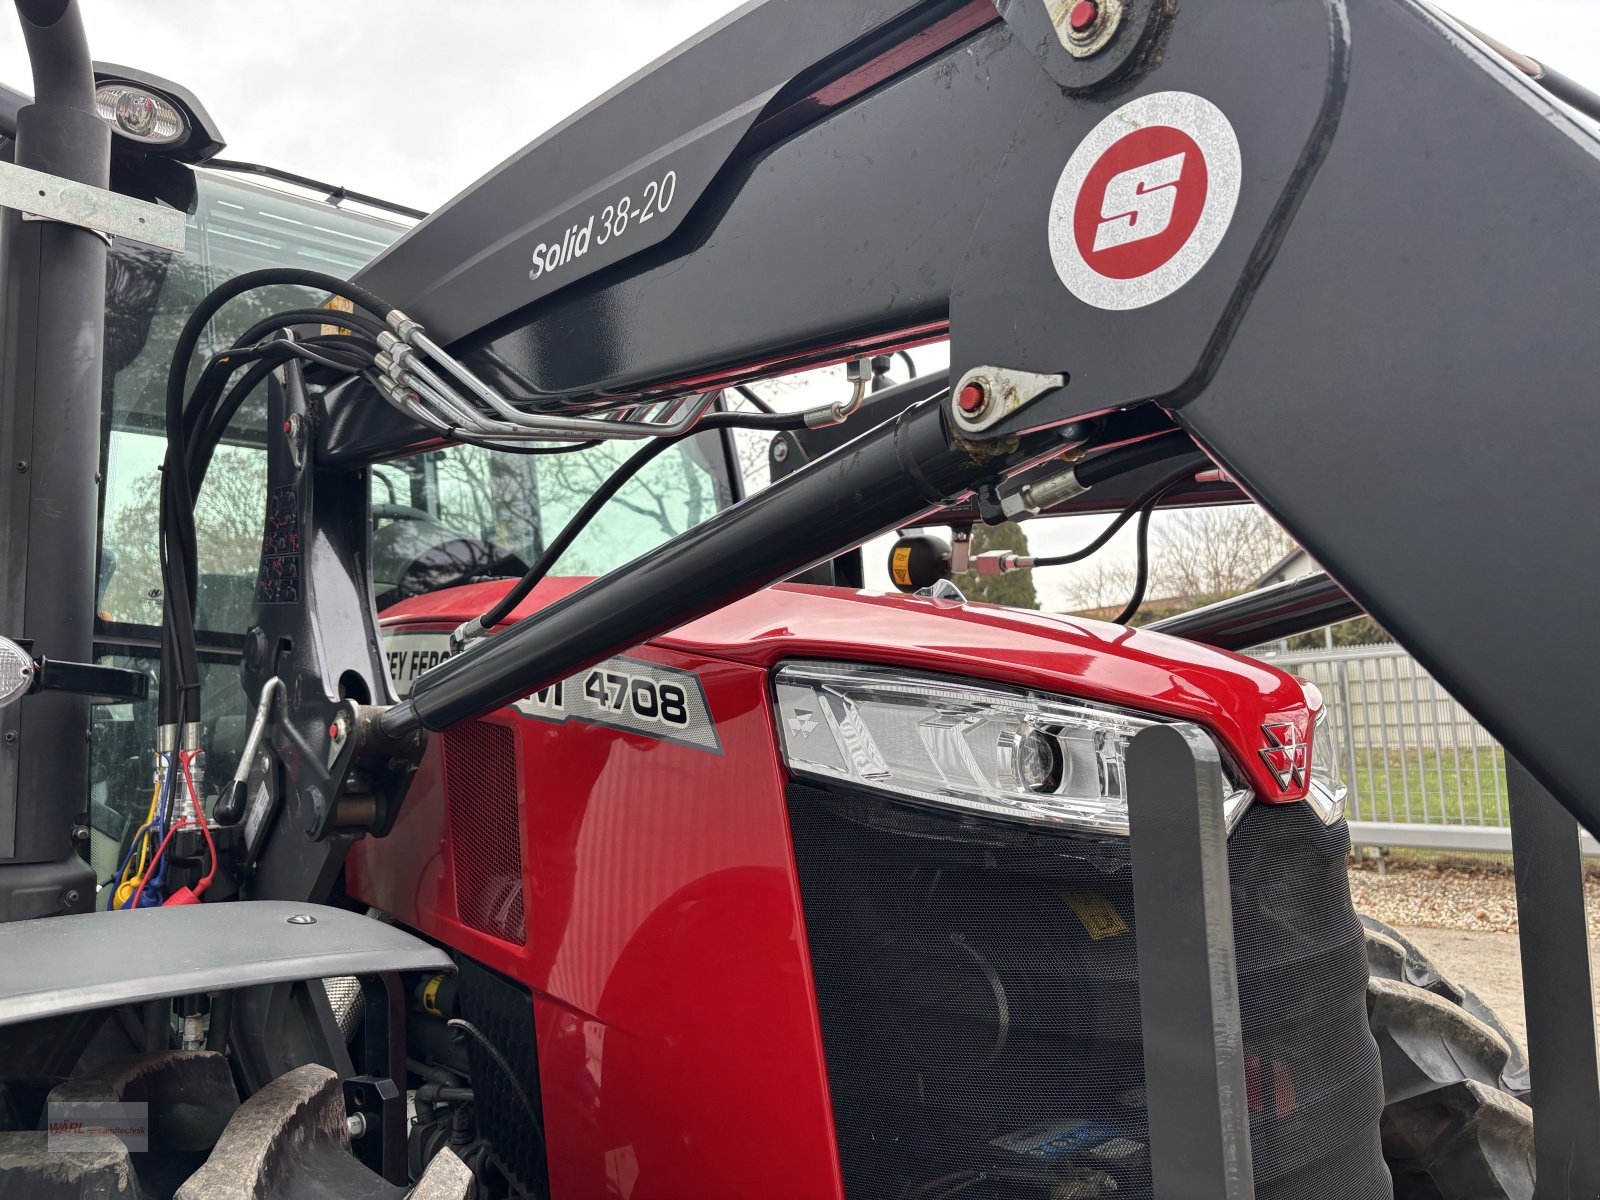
(1420, 770)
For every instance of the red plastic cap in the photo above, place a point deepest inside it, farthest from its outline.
(971, 398)
(182, 896)
(1083, 14)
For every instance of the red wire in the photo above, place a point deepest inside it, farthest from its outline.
(161, 849)
(205, 826)
(211, 847)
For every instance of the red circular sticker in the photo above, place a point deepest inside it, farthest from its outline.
(1140, 202)
(1145, 200)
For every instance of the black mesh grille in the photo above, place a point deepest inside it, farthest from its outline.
(978, 990)
(503, 1010)
(480, 771)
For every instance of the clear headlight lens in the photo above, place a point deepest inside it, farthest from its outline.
(1010, 753)
(1327, 790)
(140, 114)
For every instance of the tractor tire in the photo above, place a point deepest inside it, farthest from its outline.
(1455, 1122)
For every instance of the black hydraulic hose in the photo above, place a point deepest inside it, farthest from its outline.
(1150, 496)
(754, 398)
(614, 483)
(506, 1069)
(1132, 456)
(1141, 579)
(180, 658)
(559, 545)
(309, 316)
(190, 335)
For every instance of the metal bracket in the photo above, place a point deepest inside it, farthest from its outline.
(1188, 975)
(985, 396)
(42, 197)
(379, 1093)
(1557, 989)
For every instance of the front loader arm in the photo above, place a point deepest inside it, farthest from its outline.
(1394, 304)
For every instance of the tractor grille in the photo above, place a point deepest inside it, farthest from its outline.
(978, 991)
(480, 769)
(502, 1010)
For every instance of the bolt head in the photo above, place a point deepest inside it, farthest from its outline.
(973, 399)
(302, 919)
(1083, 15)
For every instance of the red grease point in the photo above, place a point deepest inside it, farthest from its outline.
(287, 427)
(333, 732)
(1083, 15)
(971, 398)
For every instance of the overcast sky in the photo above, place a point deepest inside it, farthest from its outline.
(412, 100)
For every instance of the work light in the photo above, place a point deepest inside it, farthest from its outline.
(16, 671)
(141, 114)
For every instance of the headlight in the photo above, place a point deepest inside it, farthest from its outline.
(1327, 790)
(1005, 752)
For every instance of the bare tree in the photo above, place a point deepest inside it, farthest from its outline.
(229, 516)
(1197, 555)
(1206, 554)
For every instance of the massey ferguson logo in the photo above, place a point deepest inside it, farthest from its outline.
(1287, 756)
(1144, 201)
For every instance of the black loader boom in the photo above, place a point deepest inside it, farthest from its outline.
(1334, 256)
(1387, 339)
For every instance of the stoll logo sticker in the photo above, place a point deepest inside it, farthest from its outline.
(1144, 200)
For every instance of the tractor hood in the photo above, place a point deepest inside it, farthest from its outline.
(1238, 699)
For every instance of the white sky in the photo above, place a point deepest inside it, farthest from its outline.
(414, 99)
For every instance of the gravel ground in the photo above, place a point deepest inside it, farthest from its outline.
(1464, 895)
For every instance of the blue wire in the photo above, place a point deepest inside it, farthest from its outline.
(111, 899)
(163, 813)
(160, 826)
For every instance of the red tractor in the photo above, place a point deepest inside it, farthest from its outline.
(635, 850)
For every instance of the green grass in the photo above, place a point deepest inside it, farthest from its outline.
(1444, 786)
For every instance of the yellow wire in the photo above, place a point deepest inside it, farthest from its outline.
(125, 885)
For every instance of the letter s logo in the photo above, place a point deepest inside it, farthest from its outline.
(1138, 203)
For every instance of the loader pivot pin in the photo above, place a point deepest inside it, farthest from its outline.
(973, 399)
(1083, 15)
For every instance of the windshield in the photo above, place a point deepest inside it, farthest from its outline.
(464, 513)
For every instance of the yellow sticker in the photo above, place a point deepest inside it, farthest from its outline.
(338, 304)
(900, 564)
(1099, 916)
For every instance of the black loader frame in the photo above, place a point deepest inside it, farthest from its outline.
(1390, 349)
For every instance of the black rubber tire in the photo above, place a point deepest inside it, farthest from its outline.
(1455, 1122)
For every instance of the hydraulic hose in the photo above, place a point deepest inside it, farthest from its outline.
(602, 495)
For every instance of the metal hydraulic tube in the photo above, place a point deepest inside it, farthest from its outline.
(52, 311)
(887, 476)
